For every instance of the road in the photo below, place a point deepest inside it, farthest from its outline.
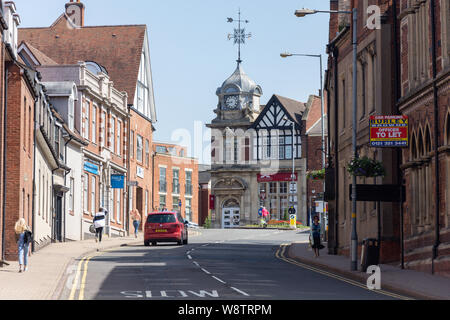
(218, 265)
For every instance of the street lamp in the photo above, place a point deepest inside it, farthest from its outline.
(293, 160)
(324, 150)
(354, 13)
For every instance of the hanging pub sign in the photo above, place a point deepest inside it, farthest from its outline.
(389, 131)
(117, 181)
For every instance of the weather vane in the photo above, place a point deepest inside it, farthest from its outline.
(239, 35)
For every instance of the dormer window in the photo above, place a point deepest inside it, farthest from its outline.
(95, 68)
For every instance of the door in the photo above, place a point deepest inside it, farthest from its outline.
(231, 218)
(58, 219)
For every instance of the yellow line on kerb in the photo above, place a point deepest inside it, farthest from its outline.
(280, 254)
(83, 279)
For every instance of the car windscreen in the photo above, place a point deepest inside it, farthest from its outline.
(161, 218)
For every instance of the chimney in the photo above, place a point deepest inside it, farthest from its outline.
(75, 12)
(334, 23)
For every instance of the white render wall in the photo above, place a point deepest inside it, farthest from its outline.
(73, 222)
(43, 202)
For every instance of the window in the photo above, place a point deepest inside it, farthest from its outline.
(283, 187)
(112, 205)
(147, 152)
(273, 187)
(118, 201)
(162, 180)
(71, 113)
(103, 125)
(93, 189)
(86, 122)
(139, 149)
(189, 183)
(175, 203)
(71, 200)
(94, 124)
(119, 128)
(85, 192)
(24, 123)
(160, 149)
(176, 181)
(162, 202)
(132, 144)
(113, 134)
(57, 141)
(30, 126)
(188, 209)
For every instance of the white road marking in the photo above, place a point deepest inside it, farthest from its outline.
(147, 264)
(219, 280)
(206, 271)
(196, 263)
(241, 292)
(189, 257)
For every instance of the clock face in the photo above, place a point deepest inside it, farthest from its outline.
(231, 102)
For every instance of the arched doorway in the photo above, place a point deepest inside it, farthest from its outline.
(231, 214)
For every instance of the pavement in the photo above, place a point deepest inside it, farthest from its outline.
(48, 268)
(414, 284)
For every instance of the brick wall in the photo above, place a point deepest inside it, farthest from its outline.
(171, 162)
(2, 115)
(19, 166)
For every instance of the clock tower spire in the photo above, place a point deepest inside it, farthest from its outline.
(239, 35)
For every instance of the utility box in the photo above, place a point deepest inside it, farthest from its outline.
(370, 254)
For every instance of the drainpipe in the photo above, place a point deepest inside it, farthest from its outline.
(128, 174)
(33, 246)
(5, 117)
(436, 135)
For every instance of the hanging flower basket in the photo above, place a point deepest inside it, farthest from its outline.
(366, 167)
(316, 174)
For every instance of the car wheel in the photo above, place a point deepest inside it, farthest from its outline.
(186, 241)
(180, 243)
(147, 243)
(154, 243)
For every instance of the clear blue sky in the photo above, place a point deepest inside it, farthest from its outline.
(191, 56)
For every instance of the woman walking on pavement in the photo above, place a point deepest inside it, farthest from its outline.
(99, 224)
(315, 232)
(136, 221)
(23, 239)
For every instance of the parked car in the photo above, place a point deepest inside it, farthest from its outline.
(165, 227)
(192, 225)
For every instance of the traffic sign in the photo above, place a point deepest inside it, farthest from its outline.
(292, 211)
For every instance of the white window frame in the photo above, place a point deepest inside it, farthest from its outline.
(94, 124)
(93, 194)
(113, 135)
(87, 123)
(118, 137)
(139, 150)
(118, 205)
(86, 193)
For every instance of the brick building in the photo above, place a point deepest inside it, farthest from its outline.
(424, 50)
(376, 95)
(314, 154)
(4, 55)
(204, 193)
(175, 181)
(123, 52)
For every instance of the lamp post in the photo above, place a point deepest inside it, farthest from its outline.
(324, 149)
(354, 13)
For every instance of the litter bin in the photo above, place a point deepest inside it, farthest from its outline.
(370, 254)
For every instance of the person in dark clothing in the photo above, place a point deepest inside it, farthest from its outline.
(99, 224)
(315, 232)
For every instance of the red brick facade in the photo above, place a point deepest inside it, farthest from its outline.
(19, 159)
(177, 161)
(425, 83)
(2, 130)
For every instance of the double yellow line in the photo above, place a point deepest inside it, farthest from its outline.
(280, 254)
(84, 261)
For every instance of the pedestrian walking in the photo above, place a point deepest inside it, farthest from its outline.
(23, 239)
(99, 224)
(315, 233)
(136, 221)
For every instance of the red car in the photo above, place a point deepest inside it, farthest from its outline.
(165, 227)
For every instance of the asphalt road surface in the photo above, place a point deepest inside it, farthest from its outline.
(218, 265)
